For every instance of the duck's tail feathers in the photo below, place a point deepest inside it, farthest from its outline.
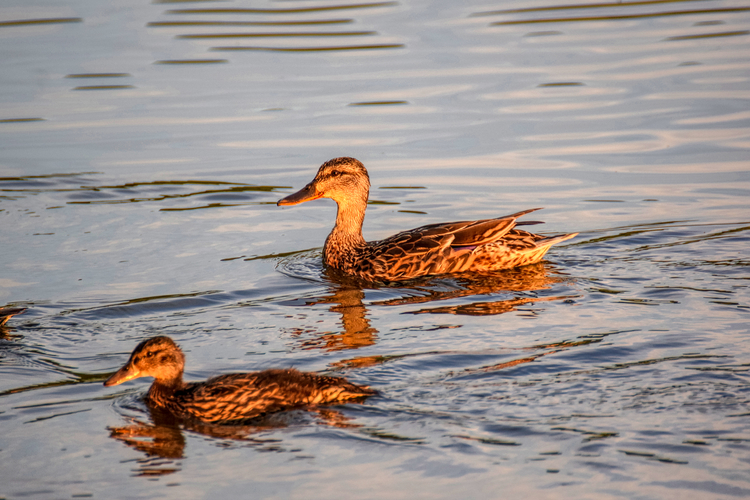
(554, 240)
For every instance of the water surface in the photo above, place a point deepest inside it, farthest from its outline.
(144, 148)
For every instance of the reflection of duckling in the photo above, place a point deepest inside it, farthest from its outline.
(231, 397)
(452, 247)
(8, 312)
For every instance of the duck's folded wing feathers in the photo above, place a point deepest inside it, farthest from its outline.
(456, 234)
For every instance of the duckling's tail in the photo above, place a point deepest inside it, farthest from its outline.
(351, 391)
(342, 390)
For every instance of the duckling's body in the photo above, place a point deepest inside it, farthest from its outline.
(227, 398)
(452, 247)
(8, 312)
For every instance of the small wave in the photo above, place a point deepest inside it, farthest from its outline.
(306, 265)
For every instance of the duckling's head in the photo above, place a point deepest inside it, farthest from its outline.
(340, 179)
(157, 357)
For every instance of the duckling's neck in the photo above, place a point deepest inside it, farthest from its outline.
(163, 389)
(346, 235)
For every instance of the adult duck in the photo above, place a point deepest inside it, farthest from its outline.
(233, 397)
(451, 247)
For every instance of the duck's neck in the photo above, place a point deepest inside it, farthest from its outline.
(346, 235)
(163, 389)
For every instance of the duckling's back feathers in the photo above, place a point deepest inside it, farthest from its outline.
(243, 396)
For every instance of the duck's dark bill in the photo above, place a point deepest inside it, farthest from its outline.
(307, 193)
(127, 372)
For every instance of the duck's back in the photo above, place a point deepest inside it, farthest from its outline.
(452, 247)
(242, 396)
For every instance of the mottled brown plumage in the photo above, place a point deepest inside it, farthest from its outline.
(8, 312)
(234, 397)
(451, 247)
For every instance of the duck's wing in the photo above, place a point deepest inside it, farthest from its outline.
(482, 232)
(435, 248)
(435, 241)
(457, 234)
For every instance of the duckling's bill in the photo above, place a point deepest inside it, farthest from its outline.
(127, 372)
(307, 193)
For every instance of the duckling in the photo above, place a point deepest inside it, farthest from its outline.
(233, 397)
(8, 312)
(443, 248)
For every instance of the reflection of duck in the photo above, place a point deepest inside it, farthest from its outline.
(452, 247)
(530, 278)
(164, 437)
(501, 291)
(347, 299)
(226, 398)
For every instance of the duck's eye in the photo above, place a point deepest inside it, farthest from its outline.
(335, 173)
(150, 354)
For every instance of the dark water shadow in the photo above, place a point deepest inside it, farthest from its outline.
(37, 22)
(296, 34)
(610, 11)
(335, 48)
(304, 17)
(86, 189)
(312, 22)
(289, 10)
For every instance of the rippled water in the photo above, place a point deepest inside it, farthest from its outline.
(144, 148)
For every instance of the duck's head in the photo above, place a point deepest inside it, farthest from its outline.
(340, 179)
(157, 357)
